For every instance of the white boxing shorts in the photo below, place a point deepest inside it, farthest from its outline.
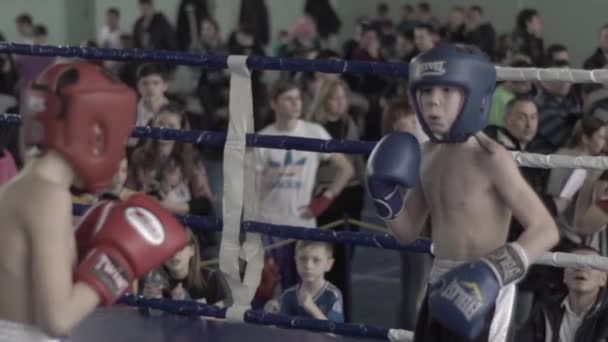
(18, 332)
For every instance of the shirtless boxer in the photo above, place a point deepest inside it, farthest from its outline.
(79, 118)
(470, 186)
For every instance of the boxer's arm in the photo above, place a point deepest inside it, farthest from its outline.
(59, 303)
(540, 231)
(409, 223)
(344, 172)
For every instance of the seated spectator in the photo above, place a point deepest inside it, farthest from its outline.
(588, 139)
(572, 198)
(405, 50)
(519, 129)
(519, 125)
(186, 189)
(304, 36)
(507, 91)
(351, 44)
(183, 278)
(595, 98)
(313, 297)
(368, 49)
(598, 59)
(423, 37)
(581, 315)
(151, 86)
(559, 108)
(281, 47)
(557, 53)
(454, 30)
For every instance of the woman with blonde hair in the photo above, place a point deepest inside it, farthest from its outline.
(173, 171)
(330, 109)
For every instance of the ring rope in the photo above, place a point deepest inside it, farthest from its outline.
(193, 308)
(400, 70)
(331, 146)
(208, 61)
(382, 241)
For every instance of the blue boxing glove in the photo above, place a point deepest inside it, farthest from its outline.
(461, 298)
(393, 164)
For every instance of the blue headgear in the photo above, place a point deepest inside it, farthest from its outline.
(461, 66)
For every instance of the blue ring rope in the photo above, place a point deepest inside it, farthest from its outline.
(192, 308)
(209, 61)
(253, 140)
(382, 241)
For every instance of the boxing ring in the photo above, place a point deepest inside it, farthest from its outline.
(170, 320)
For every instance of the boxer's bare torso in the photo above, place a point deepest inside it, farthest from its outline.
(37, 249)
(469, 218)
(470, 191)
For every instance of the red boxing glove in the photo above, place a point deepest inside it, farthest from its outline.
(89, 224)
(122, 241)
(319, 204)
(602, 203)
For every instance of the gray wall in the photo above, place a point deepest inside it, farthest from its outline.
(71, 21)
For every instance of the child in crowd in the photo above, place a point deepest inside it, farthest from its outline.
(183, 278)
(183, 177)
(313, 297)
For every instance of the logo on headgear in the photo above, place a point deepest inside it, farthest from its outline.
(430, 69)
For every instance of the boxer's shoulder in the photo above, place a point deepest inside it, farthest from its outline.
(36, 201)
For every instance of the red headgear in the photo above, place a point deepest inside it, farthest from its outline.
(84, 114)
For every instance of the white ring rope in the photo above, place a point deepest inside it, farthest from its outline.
(557, 161)
(552, 74)
(559, 259)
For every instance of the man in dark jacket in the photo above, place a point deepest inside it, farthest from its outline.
(599, 60)
(152, 30)
(581, 315)
(519, 129)
(527, 36)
